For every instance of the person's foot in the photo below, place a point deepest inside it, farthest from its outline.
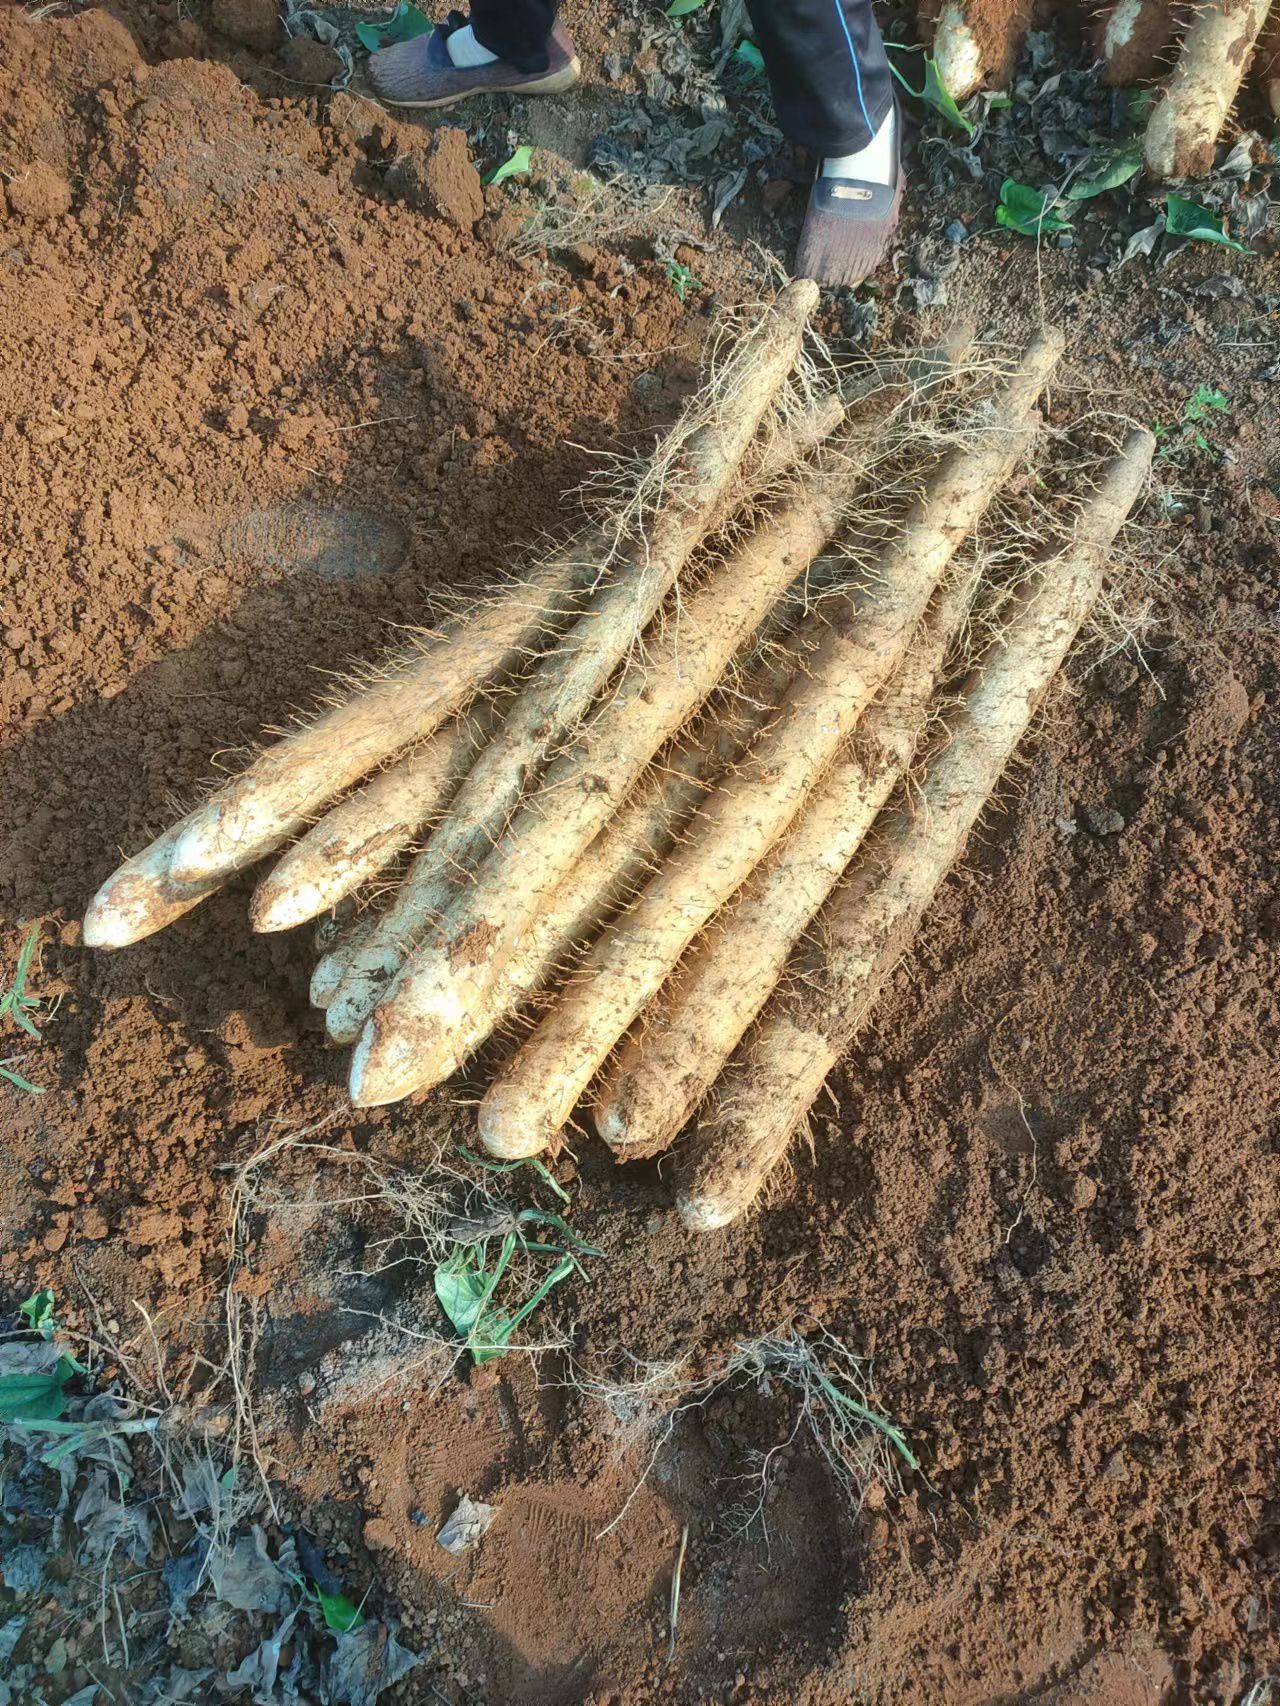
(449, 64)
(853, 212)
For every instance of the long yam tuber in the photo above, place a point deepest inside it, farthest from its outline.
(866, 926)
(533, 1097)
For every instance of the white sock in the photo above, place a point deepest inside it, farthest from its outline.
(465, 50)
(873, 164)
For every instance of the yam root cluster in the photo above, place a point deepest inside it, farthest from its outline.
(1200, 53)
(655, 815)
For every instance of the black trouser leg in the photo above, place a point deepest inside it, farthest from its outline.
(832, 86)
(516, 30)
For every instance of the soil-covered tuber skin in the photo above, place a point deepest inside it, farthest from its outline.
(370, 829)
(1133, 39)
(583, 789)
(773, 1080)
(976, 42)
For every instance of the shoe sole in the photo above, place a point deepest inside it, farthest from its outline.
(554, 83)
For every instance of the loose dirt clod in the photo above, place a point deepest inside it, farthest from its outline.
(37, 192)
(440, 180)
(252, 23)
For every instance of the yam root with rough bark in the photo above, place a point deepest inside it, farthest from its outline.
(976, 42)
(533, 1097)
(445, 997)
(288, 786)
(683, 1038)
(369, 830)
(1264, 73)
(1133, 40)
(867, 925)
(1182, 132)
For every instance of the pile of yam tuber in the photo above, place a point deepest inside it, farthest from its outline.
(665, 812)
(1201, 51)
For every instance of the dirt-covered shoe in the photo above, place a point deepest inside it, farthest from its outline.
(419, 73)
(848, 228)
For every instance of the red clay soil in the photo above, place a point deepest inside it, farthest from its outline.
(1044, 1193)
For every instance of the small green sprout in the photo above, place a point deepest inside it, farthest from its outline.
(682, 280)
(17, 1005)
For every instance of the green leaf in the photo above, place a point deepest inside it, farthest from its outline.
(519, 162)
(541, 1217)
(842, 1401)
(465, 1291)
(1027, 211)
(681, 279)
(1206, 400)
(539, 1167)
(339, 1613)
(38, 1310)
(12, 1076)
(682, 8)
(935, 93)
(1109, 176)
(460, 1291)
(35, 1397)
(492, 1337)
(748, 54)
(404, 24)
(15, 1003)
(1183, 218)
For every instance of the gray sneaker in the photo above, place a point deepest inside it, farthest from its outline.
(847, 229)
(419, 73)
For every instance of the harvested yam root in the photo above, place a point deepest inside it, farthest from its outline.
(532, 1099)
(635, 784)
(769, 1087)
(1265, 70)
(1182, 132)
(370, 829)
(976, 42)
(685, 1035)
(1132, 38)
(446, 998)
(391, 710)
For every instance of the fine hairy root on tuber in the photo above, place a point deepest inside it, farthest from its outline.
(769, 1087)
(652, 817)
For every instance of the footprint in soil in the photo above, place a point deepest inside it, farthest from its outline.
(335, 544)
